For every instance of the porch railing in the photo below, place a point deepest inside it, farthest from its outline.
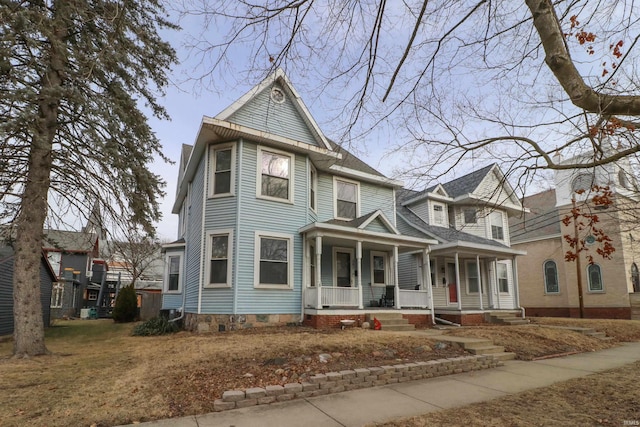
(413, 298)
(337, 296)
(311, 297)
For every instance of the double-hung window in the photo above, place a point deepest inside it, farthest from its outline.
(57, 295)
(473, 277)
(173, 272)
(497, 226)
(275, 172)
(438, 214)
(470, 215)
(378, 268)
(219, 250)
(273, 260)
(346, 199)
(503, 277)
(222, 170)
(313, 187)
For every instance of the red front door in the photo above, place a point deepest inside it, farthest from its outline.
(451, 279)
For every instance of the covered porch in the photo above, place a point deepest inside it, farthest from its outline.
(353, 265)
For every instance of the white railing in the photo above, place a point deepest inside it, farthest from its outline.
(411, 298)
(337, 296)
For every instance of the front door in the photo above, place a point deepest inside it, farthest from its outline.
(451, 283)
(343, 267)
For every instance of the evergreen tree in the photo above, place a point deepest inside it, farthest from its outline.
(126, 306)
(73, 75)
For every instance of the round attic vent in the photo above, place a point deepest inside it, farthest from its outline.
(277, 95)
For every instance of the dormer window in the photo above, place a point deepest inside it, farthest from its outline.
(470, 215)
(438, 214)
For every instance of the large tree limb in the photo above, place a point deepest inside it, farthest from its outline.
(559, 61)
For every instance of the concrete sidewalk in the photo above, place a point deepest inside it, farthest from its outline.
(378, 404)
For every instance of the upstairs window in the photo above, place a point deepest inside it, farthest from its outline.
(276, 170)
(346, 199)
(470, 215)
(438, 214)
(222, 171)
(497, 230)
(313, 187)
(551, 285)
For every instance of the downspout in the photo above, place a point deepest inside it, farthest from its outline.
(184, 286)
(236, 248)
(305, 250)
(446, 322)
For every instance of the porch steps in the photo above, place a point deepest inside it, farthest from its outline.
(478, 346)
(585, 331)
(506, 318)
(391, 321)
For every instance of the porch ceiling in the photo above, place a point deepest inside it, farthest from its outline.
(471, 250)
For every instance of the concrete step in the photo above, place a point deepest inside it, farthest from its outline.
(515, 321)
(381, 316)
(409, 327)
(476, 343)
(488, 349)
(394, 321)
(504, 356)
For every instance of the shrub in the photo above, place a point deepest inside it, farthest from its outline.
(126, 307)
(156, 326)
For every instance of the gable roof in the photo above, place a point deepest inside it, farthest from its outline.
(540, 221)
(468, 183)
(364, 220)
(69, 241)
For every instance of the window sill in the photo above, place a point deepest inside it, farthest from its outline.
(596, 292)
(220, 196)
(179, 291)
(281, 287)
(275, 199)
(217, 286)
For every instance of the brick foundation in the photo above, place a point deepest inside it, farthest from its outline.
(229, 322)
(419, 320)
(331, 321)
(589, 312)
(463, 319)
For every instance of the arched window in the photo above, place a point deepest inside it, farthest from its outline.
(551, 285)
(635, 277)
(594, 275)
(584, 181)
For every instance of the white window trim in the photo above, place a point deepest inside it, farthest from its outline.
(597, 291)
(544, 277)
(504, 229)
(445, 216)
(57, 295)
(506, 269)
(256, 259)
(313, 183)
(212, 167)
(385, 258)
(334, 265)
(180, 272)
(207, 268)
(335, 197)
(292, 159)
(468, 276)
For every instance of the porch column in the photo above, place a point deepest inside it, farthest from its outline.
(458, 282)
(426, 274)
(479, 281)
(396, 293)
(319, 271)
(495, 280)
(516, 289)
(359, 272)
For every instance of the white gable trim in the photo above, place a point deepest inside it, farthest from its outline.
(280, 77)
(379, 214)
(377, 179)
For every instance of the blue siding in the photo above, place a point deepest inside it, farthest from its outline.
(378, 226)
(193, 249)
(283, 119)
(269, 216)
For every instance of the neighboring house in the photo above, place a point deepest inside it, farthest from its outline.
(278, 224)
(548, 283)
(71, 255)
(46, 278)
(473, 267)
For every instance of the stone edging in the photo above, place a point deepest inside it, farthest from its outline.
(336, 382)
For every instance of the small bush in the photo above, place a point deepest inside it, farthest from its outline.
(126, 306)
(155, 326)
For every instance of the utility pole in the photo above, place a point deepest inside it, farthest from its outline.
(578, 250)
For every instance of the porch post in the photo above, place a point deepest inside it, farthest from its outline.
(479, 281)
(319, 271)
(457, 260)
(359, 272)
(426, 274)
(516, 289)
(495, 280)
(396, 293)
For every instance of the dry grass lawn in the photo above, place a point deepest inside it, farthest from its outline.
(98, 374)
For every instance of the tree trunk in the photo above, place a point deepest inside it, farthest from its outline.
(27, 308)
